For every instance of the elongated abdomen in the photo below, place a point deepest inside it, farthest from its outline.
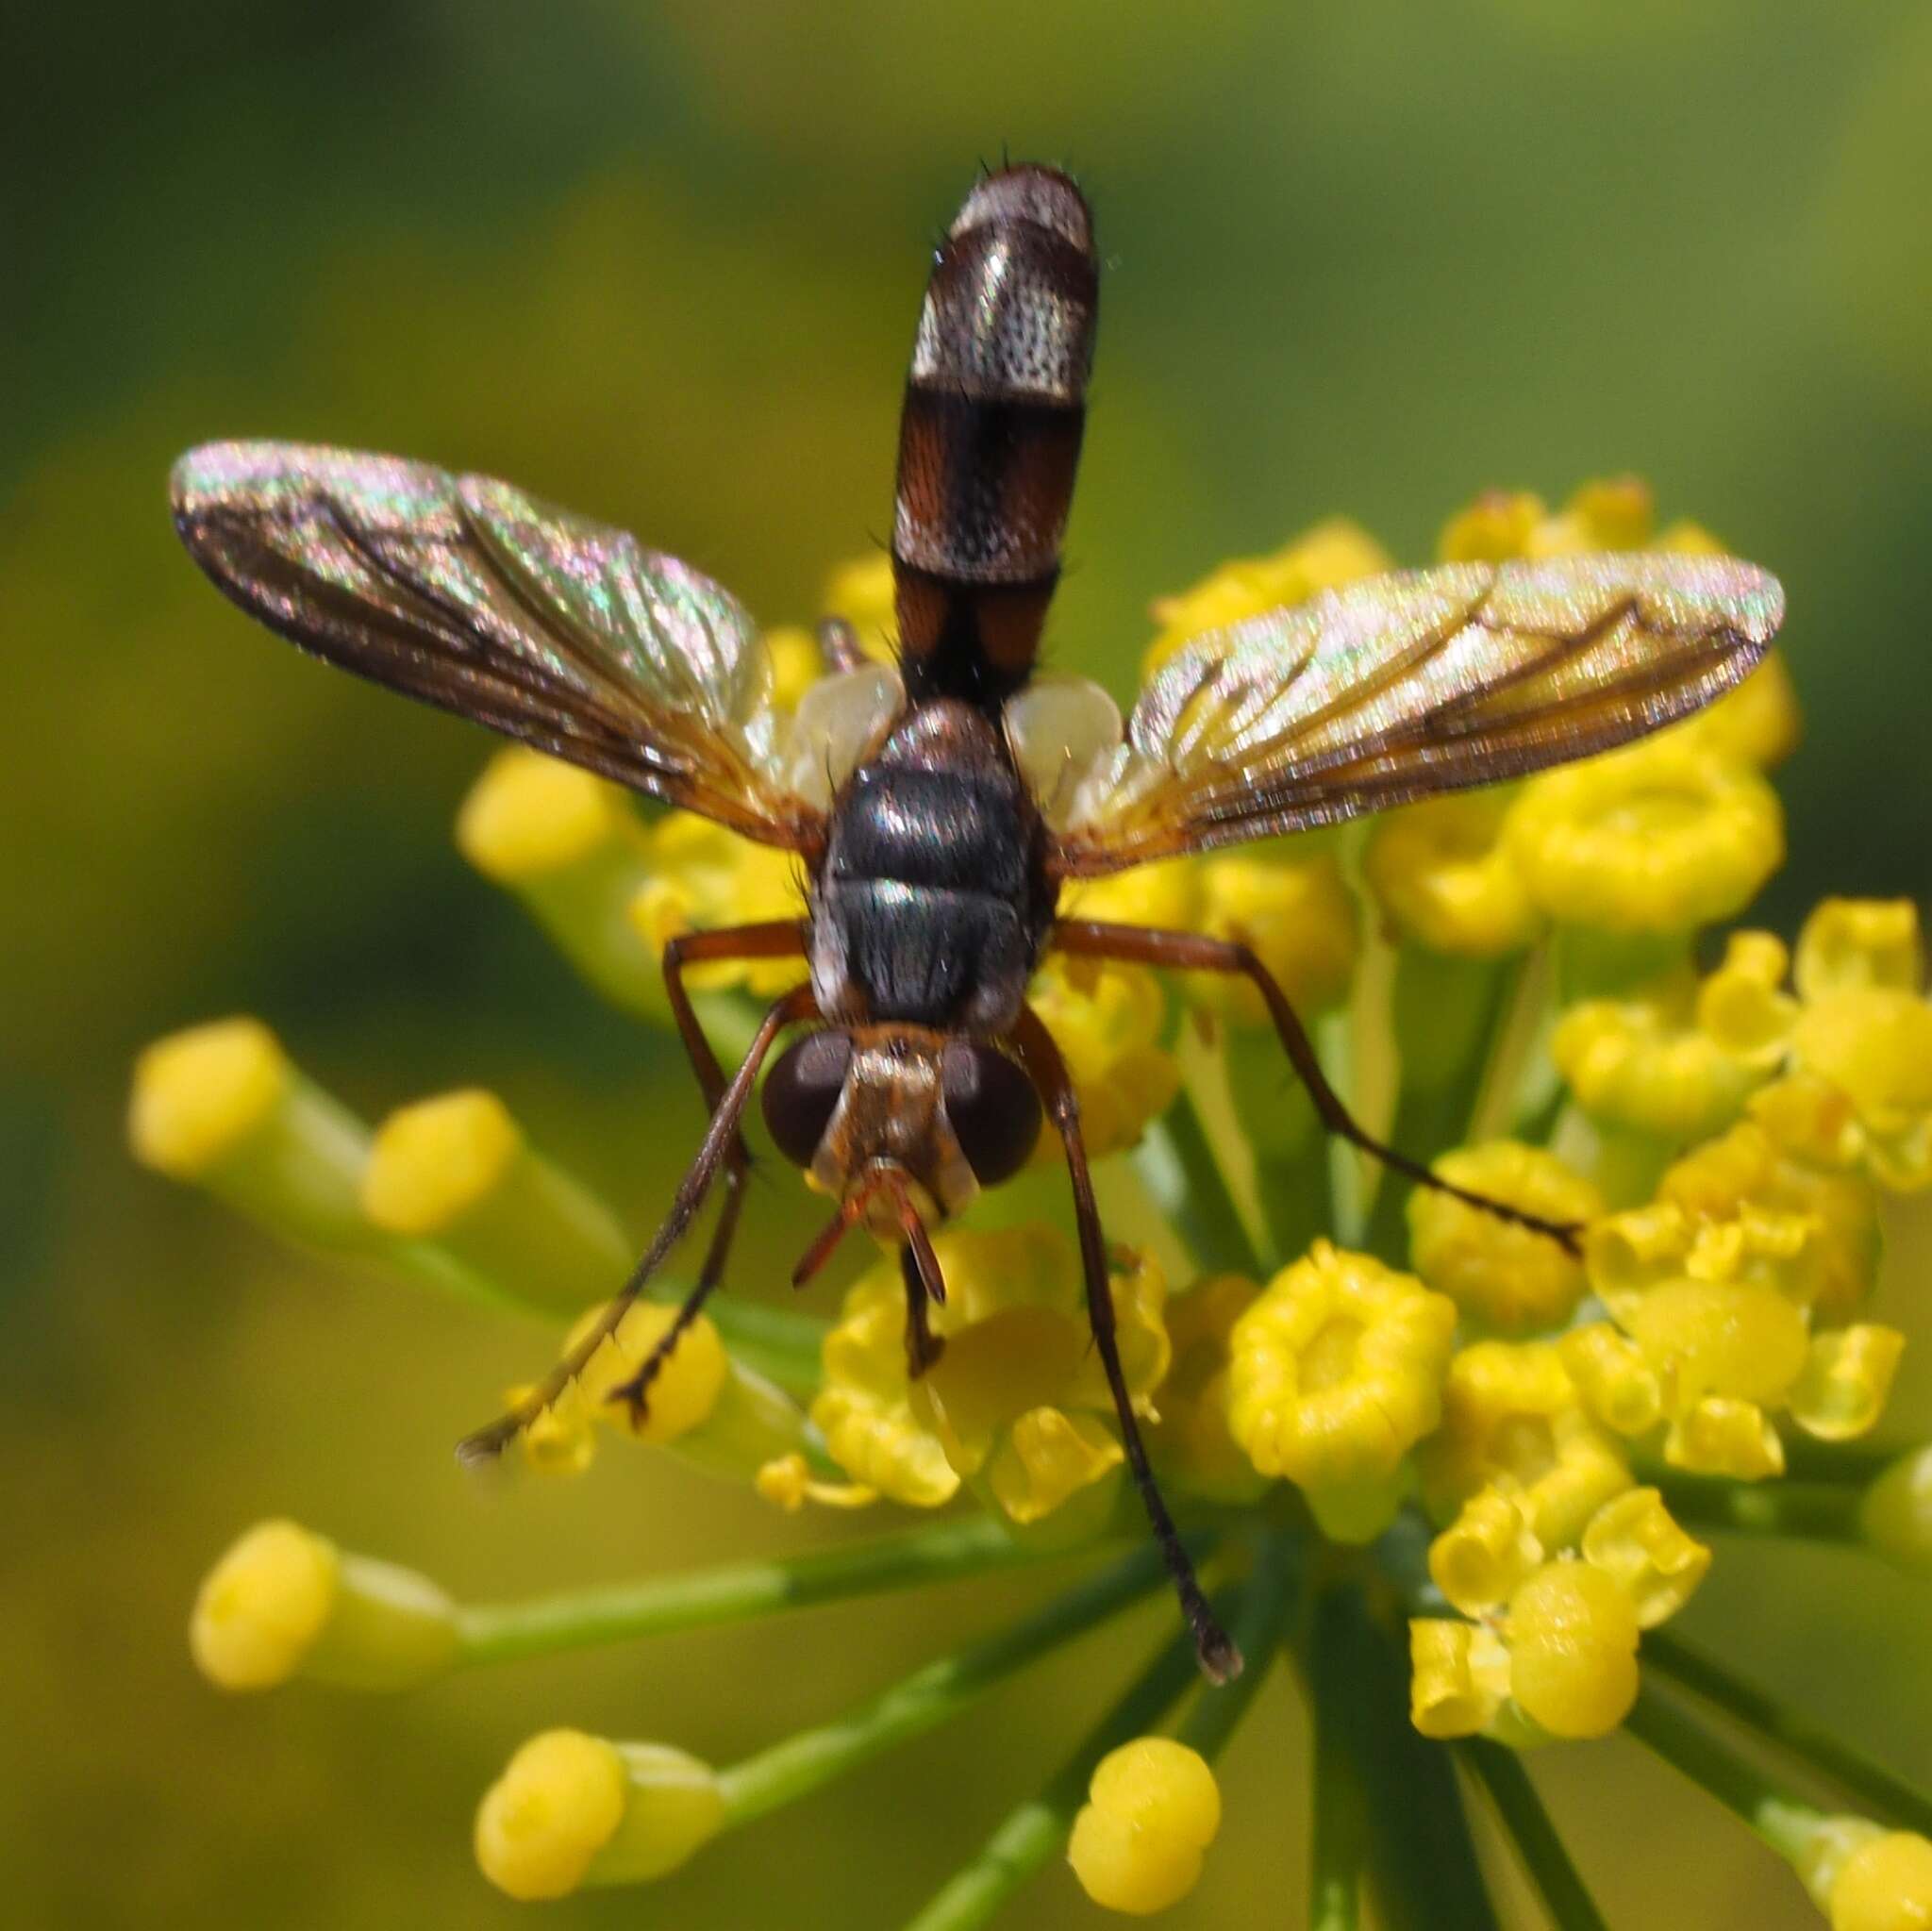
(990, 437)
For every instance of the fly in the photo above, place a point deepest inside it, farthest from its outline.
(939, 807)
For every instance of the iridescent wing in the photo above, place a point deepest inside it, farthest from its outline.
(1406, 685)
(471, 596)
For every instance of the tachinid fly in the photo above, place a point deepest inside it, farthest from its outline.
(939, 807)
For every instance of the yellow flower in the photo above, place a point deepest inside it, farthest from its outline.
(1511, 1415)
(1572, 1634)
(1610, 513)
(1193, 1446)
(1654, 840)
(1324, 558)
(1867, 1878)
(1481, 1557)
(1499, 525)
(1644, 1061)
(797, 663)
(1017, 1403)
(200, 1094)
(1299, 916)
(1506, 1277)
(1634, 1540)
(1152, 1809)
(702, 876)
(1459, 1677)
(1336, 1374)
(1618, 1384)
(284, 1602)
(1444, 880)
(1109, 1020)
(862, 592)
(572, 1809)
(687, 1386)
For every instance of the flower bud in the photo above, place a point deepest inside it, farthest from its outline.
(1459, 1677)
(1152, 1809)
(1634, 1540)
(572, 1809)
(1486, 1553)
(285, 1602)
(1572, 1633)
(1896, 1515)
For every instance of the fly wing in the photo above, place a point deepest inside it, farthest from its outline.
(1406, 685)
(472, 596)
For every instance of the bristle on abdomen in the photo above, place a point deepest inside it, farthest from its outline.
(990, 437)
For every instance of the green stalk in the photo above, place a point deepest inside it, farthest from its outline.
(1674, 1734)
(1267, 1600)
(735, 1592)
(920, 1702)
(1037, 1829)
(1797, 1735)
(1527, 1825)
(1447, 1014)
(1421, 1858)
(1176, 1164)
(1339, 1822)
(1803, 1511)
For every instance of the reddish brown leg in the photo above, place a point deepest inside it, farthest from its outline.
(779, 938)
(1219, 1659)
(713, 1155)
(1185, 952)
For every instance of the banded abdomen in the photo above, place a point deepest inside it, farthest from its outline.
(989, 435)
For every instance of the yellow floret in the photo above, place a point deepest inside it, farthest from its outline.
(1618, 1385)
(559, 1799)
(797, 663)
(1459, 1677)
(1846, 1381)
(1572, 1634)
(1335, 1372)
(1723, 1434)
(1508, 1276)
(702, 876)
(1715, 1337)
(1499, 525)
(1324, 558)
(1481, 1557)
(1656, 839)
(861, 591)
(1868, 1878)
(1641, 1061)
(1511, 1414)
(431, 1162)
(687, 1385)
(1014, 1325)
(1298, 916)
(1152, 1809)
(1107, 1021)
(1634, 1540)
(200, 1093)
(263, 1606)
(529, 814)
(1444, 878)
(1192, 1445)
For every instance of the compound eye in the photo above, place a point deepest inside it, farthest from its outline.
(801, 1091)
(992, 1107)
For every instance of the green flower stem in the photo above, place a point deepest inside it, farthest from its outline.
(735, 1592)
(1421, 1859)
(1219, 1159)
(1338, 1822)
(1527, 1825)
(1446, 1014)
(1790, 1731)
(1029, 1835)
(1176, 1165)
(1521, 1089)
(1349, 1179)
(1277, 1119)
(929, 1696)
(1803, 1511)
(1683, 1742)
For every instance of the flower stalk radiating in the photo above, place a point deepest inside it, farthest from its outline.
(1456, 1479)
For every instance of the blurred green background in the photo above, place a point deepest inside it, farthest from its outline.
(661, 263)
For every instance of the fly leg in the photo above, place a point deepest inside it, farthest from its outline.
(778, 939)
(838, 645)
(713, 1155)
(922, 1346)
(1185, 952)
(1219, 1659)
